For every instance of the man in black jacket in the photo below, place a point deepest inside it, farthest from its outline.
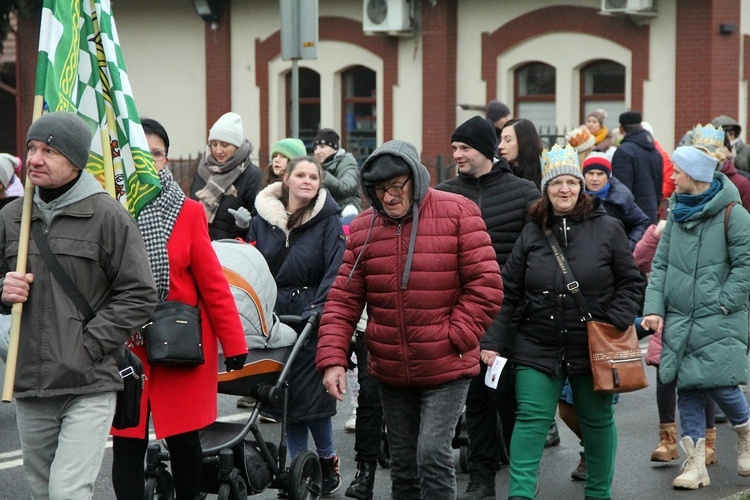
(638, 165)
(504, 200)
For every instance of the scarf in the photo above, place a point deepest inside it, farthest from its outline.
(220, 178)
(155, 223)
(689, 204)
(601, 135)
(602, 193)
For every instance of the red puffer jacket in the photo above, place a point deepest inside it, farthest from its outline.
(428, 332)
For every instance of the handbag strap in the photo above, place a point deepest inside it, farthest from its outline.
(571, 284)
(70, 288)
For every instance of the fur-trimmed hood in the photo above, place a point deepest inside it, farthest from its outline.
(269, 207)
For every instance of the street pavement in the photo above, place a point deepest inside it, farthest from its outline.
(635, 478)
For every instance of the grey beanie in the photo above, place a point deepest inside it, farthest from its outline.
(695, 163)
(384, 168)
(66, 132)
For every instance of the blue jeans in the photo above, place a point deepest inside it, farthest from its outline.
(322, 433)
(421, 424)
(692, 405)
(63, 440)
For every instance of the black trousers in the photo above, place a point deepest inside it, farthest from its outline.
(369, 409)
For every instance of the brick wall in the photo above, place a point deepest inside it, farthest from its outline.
(708, 63)
(218, 67)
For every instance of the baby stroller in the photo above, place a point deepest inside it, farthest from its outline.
(237, 460)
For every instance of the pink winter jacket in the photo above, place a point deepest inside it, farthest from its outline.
(643, 254)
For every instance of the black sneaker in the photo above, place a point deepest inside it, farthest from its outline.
(477, 491)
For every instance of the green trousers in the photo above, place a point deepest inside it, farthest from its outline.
(537, 396)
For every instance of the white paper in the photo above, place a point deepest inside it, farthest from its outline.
(492, 377)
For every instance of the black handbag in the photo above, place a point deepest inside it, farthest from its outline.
(173, 335)
(128, 409)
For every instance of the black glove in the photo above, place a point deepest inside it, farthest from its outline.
(235, 362)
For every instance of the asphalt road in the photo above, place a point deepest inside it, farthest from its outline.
(636, 476)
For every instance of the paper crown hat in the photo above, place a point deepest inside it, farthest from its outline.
(559, 161)
(709, 137)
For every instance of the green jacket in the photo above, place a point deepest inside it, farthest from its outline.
(700, 284)
(342, 179)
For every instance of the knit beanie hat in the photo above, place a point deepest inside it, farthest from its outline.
(289, 147)
(384, 168)
(66, 132)
(480, 134)
(327, 137)
(695, 163)
(228, 128)
(496, 110)
(8, 160)
(6, 170)
(580, 138)
(559, 161)
(599, 114)
(630, 118)
(597, 160)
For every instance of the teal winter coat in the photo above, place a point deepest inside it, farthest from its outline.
(700, 284)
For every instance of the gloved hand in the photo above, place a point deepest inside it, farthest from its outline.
(235, 362)
(241, 217)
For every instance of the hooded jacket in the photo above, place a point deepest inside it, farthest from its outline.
(621, 205)
(700, 282)
(430, 281)
(342, 179)
(638, 165)
(99, 245)
(741, 183)
(740, 151)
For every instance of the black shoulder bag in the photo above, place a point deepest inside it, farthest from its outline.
(616, 359)
(130, 367)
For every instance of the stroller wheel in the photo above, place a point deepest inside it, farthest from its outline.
(305, 477)
(160, 487)
(228, 492)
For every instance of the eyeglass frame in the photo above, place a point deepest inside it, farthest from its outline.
(398, 187)
(157, 151)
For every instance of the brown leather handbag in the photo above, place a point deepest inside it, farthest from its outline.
(616, 359)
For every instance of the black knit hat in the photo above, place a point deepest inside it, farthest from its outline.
(631, 118)
(66, 132)
(384, 168)
(327, 137)
(478, 133)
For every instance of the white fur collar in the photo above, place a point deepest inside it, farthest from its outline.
(270, 208)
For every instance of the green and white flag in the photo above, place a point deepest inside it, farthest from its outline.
(80, 68)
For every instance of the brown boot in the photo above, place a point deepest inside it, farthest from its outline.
(667, 449)
(710, 446)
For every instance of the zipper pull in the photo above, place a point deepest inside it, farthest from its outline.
(398, 231)
(287, 241)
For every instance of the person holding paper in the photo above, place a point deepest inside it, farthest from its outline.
(540, 328)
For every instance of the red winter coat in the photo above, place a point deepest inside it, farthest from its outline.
(428, 333)
(184, 399)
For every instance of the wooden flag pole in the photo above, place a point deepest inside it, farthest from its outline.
(23, 253)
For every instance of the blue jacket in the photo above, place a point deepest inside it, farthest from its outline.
(638, 165)
(621, 205)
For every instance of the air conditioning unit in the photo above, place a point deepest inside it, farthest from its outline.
(628, 7)
(386, 16)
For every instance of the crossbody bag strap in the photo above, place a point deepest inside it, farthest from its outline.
(70, 288)
(570, 282)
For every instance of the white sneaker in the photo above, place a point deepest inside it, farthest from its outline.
(694, 473)
(351, 423)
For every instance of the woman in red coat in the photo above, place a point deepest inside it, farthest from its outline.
(181, 400)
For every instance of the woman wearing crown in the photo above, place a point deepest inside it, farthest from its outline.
(540, 327)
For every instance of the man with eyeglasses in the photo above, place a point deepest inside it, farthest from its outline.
(423, 263)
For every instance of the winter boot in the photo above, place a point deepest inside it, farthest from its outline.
(711, 446)
(364, 481)
(694, 473)
(331, 478)
(743, 448)
(478, 491)
(667, 449)
(580, 473)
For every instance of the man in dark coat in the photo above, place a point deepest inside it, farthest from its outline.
(638, 165)
(504, 201)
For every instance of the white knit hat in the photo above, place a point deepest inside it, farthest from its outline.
(228, 128)
(8, 164)
(695, 163)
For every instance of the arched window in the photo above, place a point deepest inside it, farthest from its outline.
(603, 86)
(309, 106)
(534, 94)
(359, 108)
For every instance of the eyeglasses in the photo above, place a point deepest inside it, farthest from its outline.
(394, 190)
(158, 154)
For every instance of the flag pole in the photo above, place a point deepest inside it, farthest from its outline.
(23, 253)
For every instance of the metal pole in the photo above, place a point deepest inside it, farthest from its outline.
(294, 118)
